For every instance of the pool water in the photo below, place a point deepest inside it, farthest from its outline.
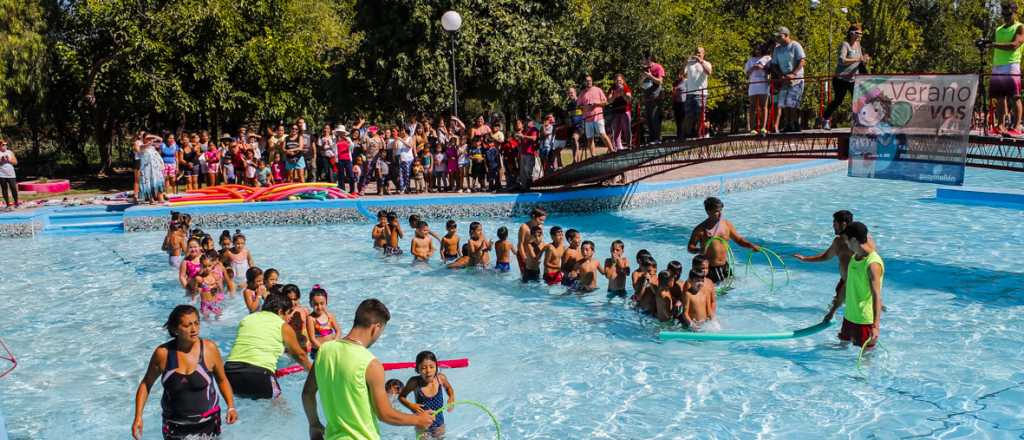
(83, 314)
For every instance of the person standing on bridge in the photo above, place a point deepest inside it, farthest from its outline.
(1004, 85)
(650, 85)
(852, 60)
(695, 89)
(787, 66)
(593, 101)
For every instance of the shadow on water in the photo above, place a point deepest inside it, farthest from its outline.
(973, 285)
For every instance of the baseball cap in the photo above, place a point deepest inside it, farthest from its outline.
(782, 30)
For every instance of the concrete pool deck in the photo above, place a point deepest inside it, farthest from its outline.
(692, 182)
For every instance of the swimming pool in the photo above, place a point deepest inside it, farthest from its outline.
(84, 313)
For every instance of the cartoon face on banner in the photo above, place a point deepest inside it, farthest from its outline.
(903, 123)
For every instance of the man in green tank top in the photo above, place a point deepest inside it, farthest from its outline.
(350, 381)
(864, 275)
(1004, 85)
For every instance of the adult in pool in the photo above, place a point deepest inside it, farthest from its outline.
(262, 336)
(838, 248)
(189, 367)
(711, 237)
(350, 383)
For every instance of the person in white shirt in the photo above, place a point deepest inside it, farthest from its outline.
(8, 177)
(695, 85)
(757, 90)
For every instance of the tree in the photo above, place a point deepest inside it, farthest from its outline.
(21, 53)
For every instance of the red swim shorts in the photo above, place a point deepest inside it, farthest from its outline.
(856, 333)
(553, 278)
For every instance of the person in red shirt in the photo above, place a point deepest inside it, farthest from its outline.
(527, 138)
(344, 158)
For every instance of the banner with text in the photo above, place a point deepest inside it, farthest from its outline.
(912, 127)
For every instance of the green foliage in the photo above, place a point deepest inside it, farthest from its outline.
(88, 72)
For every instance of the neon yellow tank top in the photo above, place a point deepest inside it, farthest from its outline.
(860, 309)
(340, 370)
(259, 340)
(1005, 34)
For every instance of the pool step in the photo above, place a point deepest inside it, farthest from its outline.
(78, 223)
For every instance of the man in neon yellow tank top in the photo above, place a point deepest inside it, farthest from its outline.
(1004, 85)
(864, 277)
(351, 384)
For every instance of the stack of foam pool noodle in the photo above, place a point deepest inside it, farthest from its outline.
(223, 194)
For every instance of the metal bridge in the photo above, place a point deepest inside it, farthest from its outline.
(657, 158)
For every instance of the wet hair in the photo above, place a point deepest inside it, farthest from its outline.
(266, 275)
(651, 261)
(189, 242)
(842, 216)
(238, 234)
(206, 239)
(208, 256)
(224, 234)
(618, 243)
(392, 382)
(424, 356)
(382, 214)
(392, 216)
(174, 319)
(276, 302)
(465, 248)
(450, 224)
(535, 229)
(587, 243)
(555, 230)
(175, 216)
(186, 218)
(571, 233)
(371, 311)
(675, 267)
(474, 226)
(857, 231)
(538, 212)
(420, 224)
(289, 289)
(698, 260)
(664, 277)
(414, 219)
(251, 275)
(503, 233)
(711, 203)
(315, 292)
(276, 288)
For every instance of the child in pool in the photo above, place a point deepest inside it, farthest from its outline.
(175, 244)
(207, 243)
(239, 257)
(270, 277)
(427, 388)
(553, 253)
(571, 256)
(296, 317)
(422, 245)
(586, 270)
(503, 251)
(644, 285)
(532, 249)
(224, 279)
(616, 270)
(207, 286)
(380, 231)
(664, 307)
(450, 243)
(415, 220)
(638, 276)
(320, 325)
(255, 291)
(479, 246)
(394, 234)
(463, 261)
(393, 387)
(190, 266)
(698, 304)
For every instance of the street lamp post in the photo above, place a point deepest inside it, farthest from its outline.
(451, 21)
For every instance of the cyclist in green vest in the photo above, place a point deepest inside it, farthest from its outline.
(863, 298)
(1004, 85)
(350, 383)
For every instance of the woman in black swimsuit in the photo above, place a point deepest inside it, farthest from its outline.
(187, 367)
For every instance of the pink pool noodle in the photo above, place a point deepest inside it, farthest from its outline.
(451, 363)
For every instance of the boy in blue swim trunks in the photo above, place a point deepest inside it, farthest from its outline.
(503, 251)
(450, 243)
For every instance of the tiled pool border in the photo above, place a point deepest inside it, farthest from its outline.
(313, 212)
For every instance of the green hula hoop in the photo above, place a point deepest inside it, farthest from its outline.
(863, 348)
(497, 426)
(768, 255)
(730, 257)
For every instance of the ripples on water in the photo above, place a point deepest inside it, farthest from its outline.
(83, 314)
